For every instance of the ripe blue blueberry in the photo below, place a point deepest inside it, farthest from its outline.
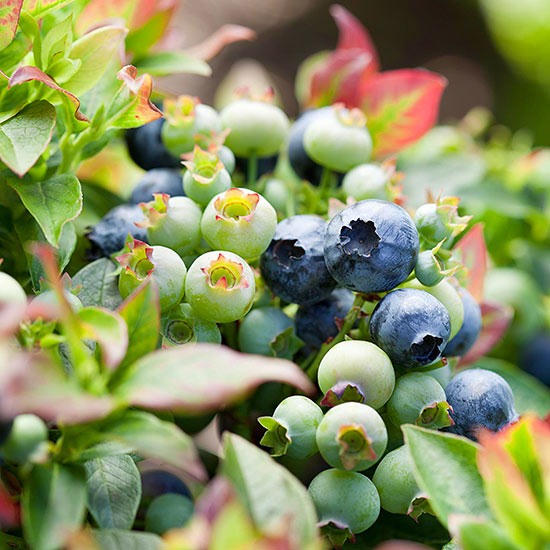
(109, 234)
(467, 335)
(292, 428)
(535, 357)
(371, 246)
(160, 482)
(411, 326)
(293, 265)
(158, 180)
(347, 503)
(316, 323)
(265, 165)
(480, 399)
(146, 148)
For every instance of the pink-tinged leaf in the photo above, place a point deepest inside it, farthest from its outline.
(97, 12)
(401, 545)
(9, 17)
(32, 383)
(39, 8)
(401, 106)
(225, 35)
(132, 105)
(145, 10)
(109, 330)
(30, 73)
(496, 319)
(337, 77)
(353, 35)
(9, 510)
(472, 252)
(202, 377)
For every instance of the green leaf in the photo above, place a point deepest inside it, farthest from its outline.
(9, 17)
(271, 493)
(114, 491)
(14, 53)
(57, 41)
(52, 202)
(95, 50)
(114, 539)
(529, 393)
(39, 8)
(25, 136)
(109, 330)
(142, 315)
(99, 285)
(202, 377)
(445, 469)
(151, 437)
(53, 503)
(173, 62)
(481, 535)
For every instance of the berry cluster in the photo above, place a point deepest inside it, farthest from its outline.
(365, 298)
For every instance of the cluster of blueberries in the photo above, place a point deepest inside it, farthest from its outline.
(219, 254)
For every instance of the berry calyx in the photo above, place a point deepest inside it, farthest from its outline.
(225, 273)
(355, 445)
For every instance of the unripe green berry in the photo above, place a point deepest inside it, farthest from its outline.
(292, 428)
(430, 223)
(428, 269)
(180, 326)
(347, 503)
(395, 481)
(161, 264)
(359, 367)
(257, 127)
(239, 221)
(173, 222)
(27, 433)
(260, 328)
(11, 292)
(339, 142)
(220, 287)
(352, 436)
(227, 157)
(276, 193)
(366, 181)
(418, 399)
(167, 512)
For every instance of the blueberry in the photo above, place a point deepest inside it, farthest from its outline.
(301, 162)
(293, 265)
(157, 180)
(109, 234)
(467, 335)
(371, 246)
(535, 358)
(480, 399)
(11, 292)
(260, 328)
(159, 482)
(146, 148)
(316, 323)
(411, 326)
(27, 434)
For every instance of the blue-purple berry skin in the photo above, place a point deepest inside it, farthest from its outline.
(466, 337)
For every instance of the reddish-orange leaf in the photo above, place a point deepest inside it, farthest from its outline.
(29, 73)
(9, 509)
(213, 44)
(472, 252)
(401, 106)
(496, 319)
(9, 17)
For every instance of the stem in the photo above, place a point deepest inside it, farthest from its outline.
(252, 170)
(349, 321)
(325, 185)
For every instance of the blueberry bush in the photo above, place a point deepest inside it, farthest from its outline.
(278, 337)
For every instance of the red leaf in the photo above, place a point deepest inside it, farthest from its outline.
(352, 35)
(9, 17)
(337, 77)
(30, 73)
(146, 9)
(401, 106)
(496, 319)
(472, 252)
